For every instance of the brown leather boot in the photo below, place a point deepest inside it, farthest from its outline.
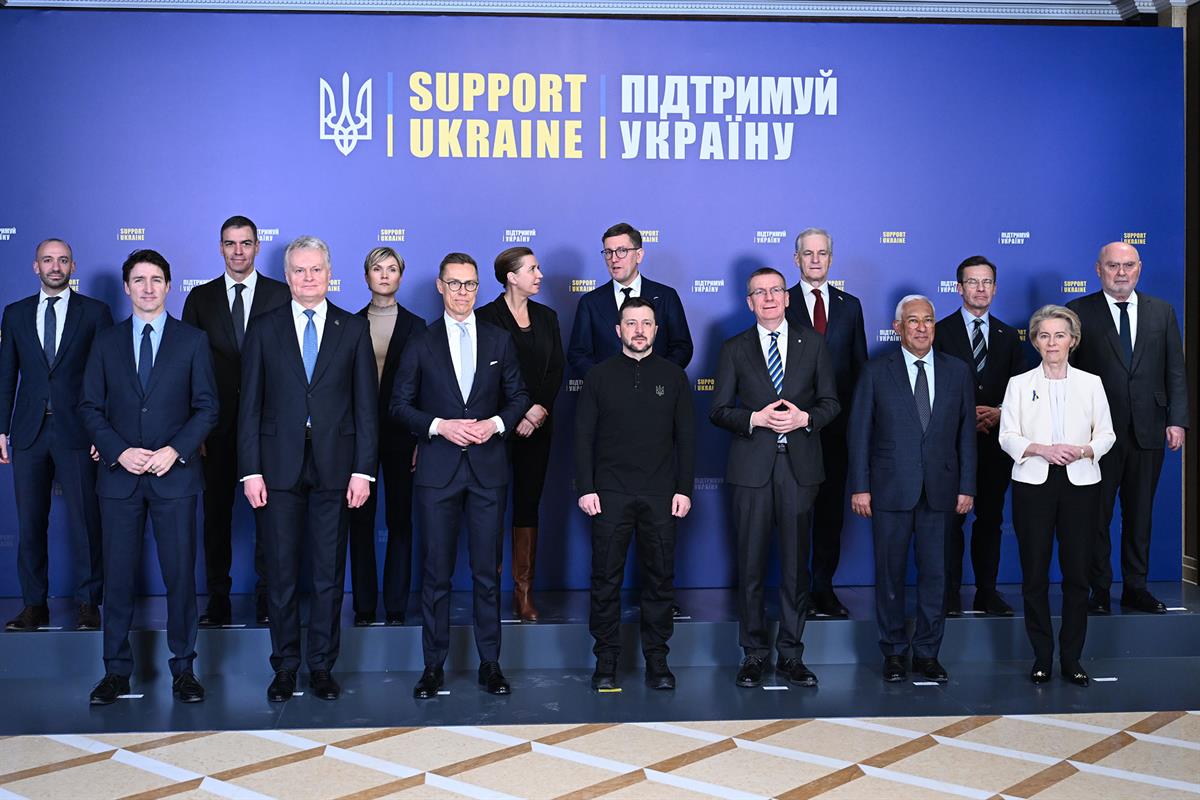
(524, 551)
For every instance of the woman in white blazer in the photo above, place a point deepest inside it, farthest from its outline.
(1055, 424)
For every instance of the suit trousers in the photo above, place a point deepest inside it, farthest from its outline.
(397, 488)
(35, 468)
(312, 521)
(530, 458)
(221, 486)
(785, 504)
(441, 511)
(925, 528)
(1040, 512)
(993, 473)
(174, 524)
(829, 508)
(1130, 473)
(620, 514)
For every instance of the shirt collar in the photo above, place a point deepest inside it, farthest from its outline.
(635, 284)
(321, 308)
(970, 318)
(782, 330)
(1112, 301)
(43, 297)
(822, 287)
(249, 282)
(910, 359)
(157, 324)
(451, 322)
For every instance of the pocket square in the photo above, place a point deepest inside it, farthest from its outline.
(494, 363)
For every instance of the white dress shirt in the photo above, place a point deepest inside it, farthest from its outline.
(910, 363)
(453, 337)
(635, 285)
(810, 302)
(60, 316)
(764, 341)
(1116, 315)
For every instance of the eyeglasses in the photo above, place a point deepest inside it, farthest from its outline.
(774, 291)
(456, 285)
(618, 254)
(974, 283)
(1113, 266)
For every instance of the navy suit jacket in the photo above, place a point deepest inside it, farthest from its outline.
(178, 408)
(594, 334)
(394, 437)
(1005, 356)
(426, 389)
(891, 457)
(58, 384)
(278, 399)
(845, 334)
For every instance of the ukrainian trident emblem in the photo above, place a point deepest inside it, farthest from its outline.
(345, 128)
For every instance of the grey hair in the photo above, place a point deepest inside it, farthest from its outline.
(307, 243)
(1049, 312)
(910, 298)
(815, 232)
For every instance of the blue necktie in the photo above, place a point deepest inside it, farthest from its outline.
(1126, 333)
(146, 357)
(466, 361)
(309, 352)
(775, 367)
(49, 329)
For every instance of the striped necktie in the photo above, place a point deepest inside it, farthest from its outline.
(775, 367)
(979, 347)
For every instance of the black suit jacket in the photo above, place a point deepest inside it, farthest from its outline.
(543, 382)
(277, 399)
(178, 408)
(808, 382)
(845, 334)
(594, 334)
(426, 389)
(1151, 393)
(207, 308)
(394, 437)
(58, 384)
(1005, 357)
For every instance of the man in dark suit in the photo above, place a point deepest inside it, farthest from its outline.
(912, 464)
(44, 344)
(592, 337)
(149, 399)
(1131, 340)
(392, 327)
(224, 308)
(459, 390)
(836, 315)
(992, 350)
(308, 450)
(775, 392)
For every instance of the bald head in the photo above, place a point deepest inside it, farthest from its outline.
(1119, 267)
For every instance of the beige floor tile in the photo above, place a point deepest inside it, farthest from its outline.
(967, 767)
(751, 771)
(649, 790)
(422, 793)
(633, 744)
(1031, 737)
(1186, 727)
(98, 781)
(25, 752)
(921, 724)
(868, 788)
(313, 779)
(219, 752)
(535, 776)
(331, 735)
(529, 732)
(196, 794)
(1083, 786)
(835, 741)
(428, 748)
(1164, 761)
(1117, 720)
(730, 728)
(127, 739)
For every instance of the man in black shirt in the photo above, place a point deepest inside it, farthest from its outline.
(634, 451)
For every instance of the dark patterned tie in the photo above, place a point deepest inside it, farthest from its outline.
(146, 357)
(239, 315)
(49, 329)
(1126, 333)
(921, 392)
(979, 347)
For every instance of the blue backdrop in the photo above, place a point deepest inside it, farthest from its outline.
(916, 145)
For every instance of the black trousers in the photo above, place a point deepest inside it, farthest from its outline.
(829, 508)
(781, 503)
(441, 516)
(1041, 512)
(530, 458)
(1130, 473)
(35, 469)
(894, 530)
(221, 487)
(305, 519)
(992, 475)
(612, 529)
(174, 523)
(397, 489)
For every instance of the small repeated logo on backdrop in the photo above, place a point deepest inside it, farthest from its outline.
(1135, 238)
(839, 284)
(708, 484)
(574, 384)
(8, 541)
(7, 233)
(769, 237)
(392, 234)
(887, 335)
(650, 236)
(705, 384)
(74, 284)
(131, 235)
(707, 286)
(893, 237)
(335, 284)
(1023, 334)
(1074, 287)
(947, 287)
(518, 235)
(1012, 237)
(267, 234)
(187, 284)
(582, 285)
(342, 126)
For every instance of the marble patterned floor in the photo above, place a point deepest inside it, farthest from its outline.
(1101, 756)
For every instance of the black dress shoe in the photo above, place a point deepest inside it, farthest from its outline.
(1099, 604)
(395, 619)
(260, 611)
(323, 685)
(1076, 675)
(796, 673)
(827, 603)
(187, 689)
(431, 680)
(1039, 674)
(492, 679)
(89, 617)
(30, 619)
(217, 612)
(930, 669)
(364, 618)
(1142, 600)
(282, 687)
(750, 674)
(992, 604)
(676, 611)
(894, 669)
(605, 674)
(110, 687)
(658, 674)
(954, 607)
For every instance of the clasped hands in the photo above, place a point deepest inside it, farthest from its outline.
(534, 418)
(139, 460)
(784, 421)
(465, 432)
(1061, 454)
